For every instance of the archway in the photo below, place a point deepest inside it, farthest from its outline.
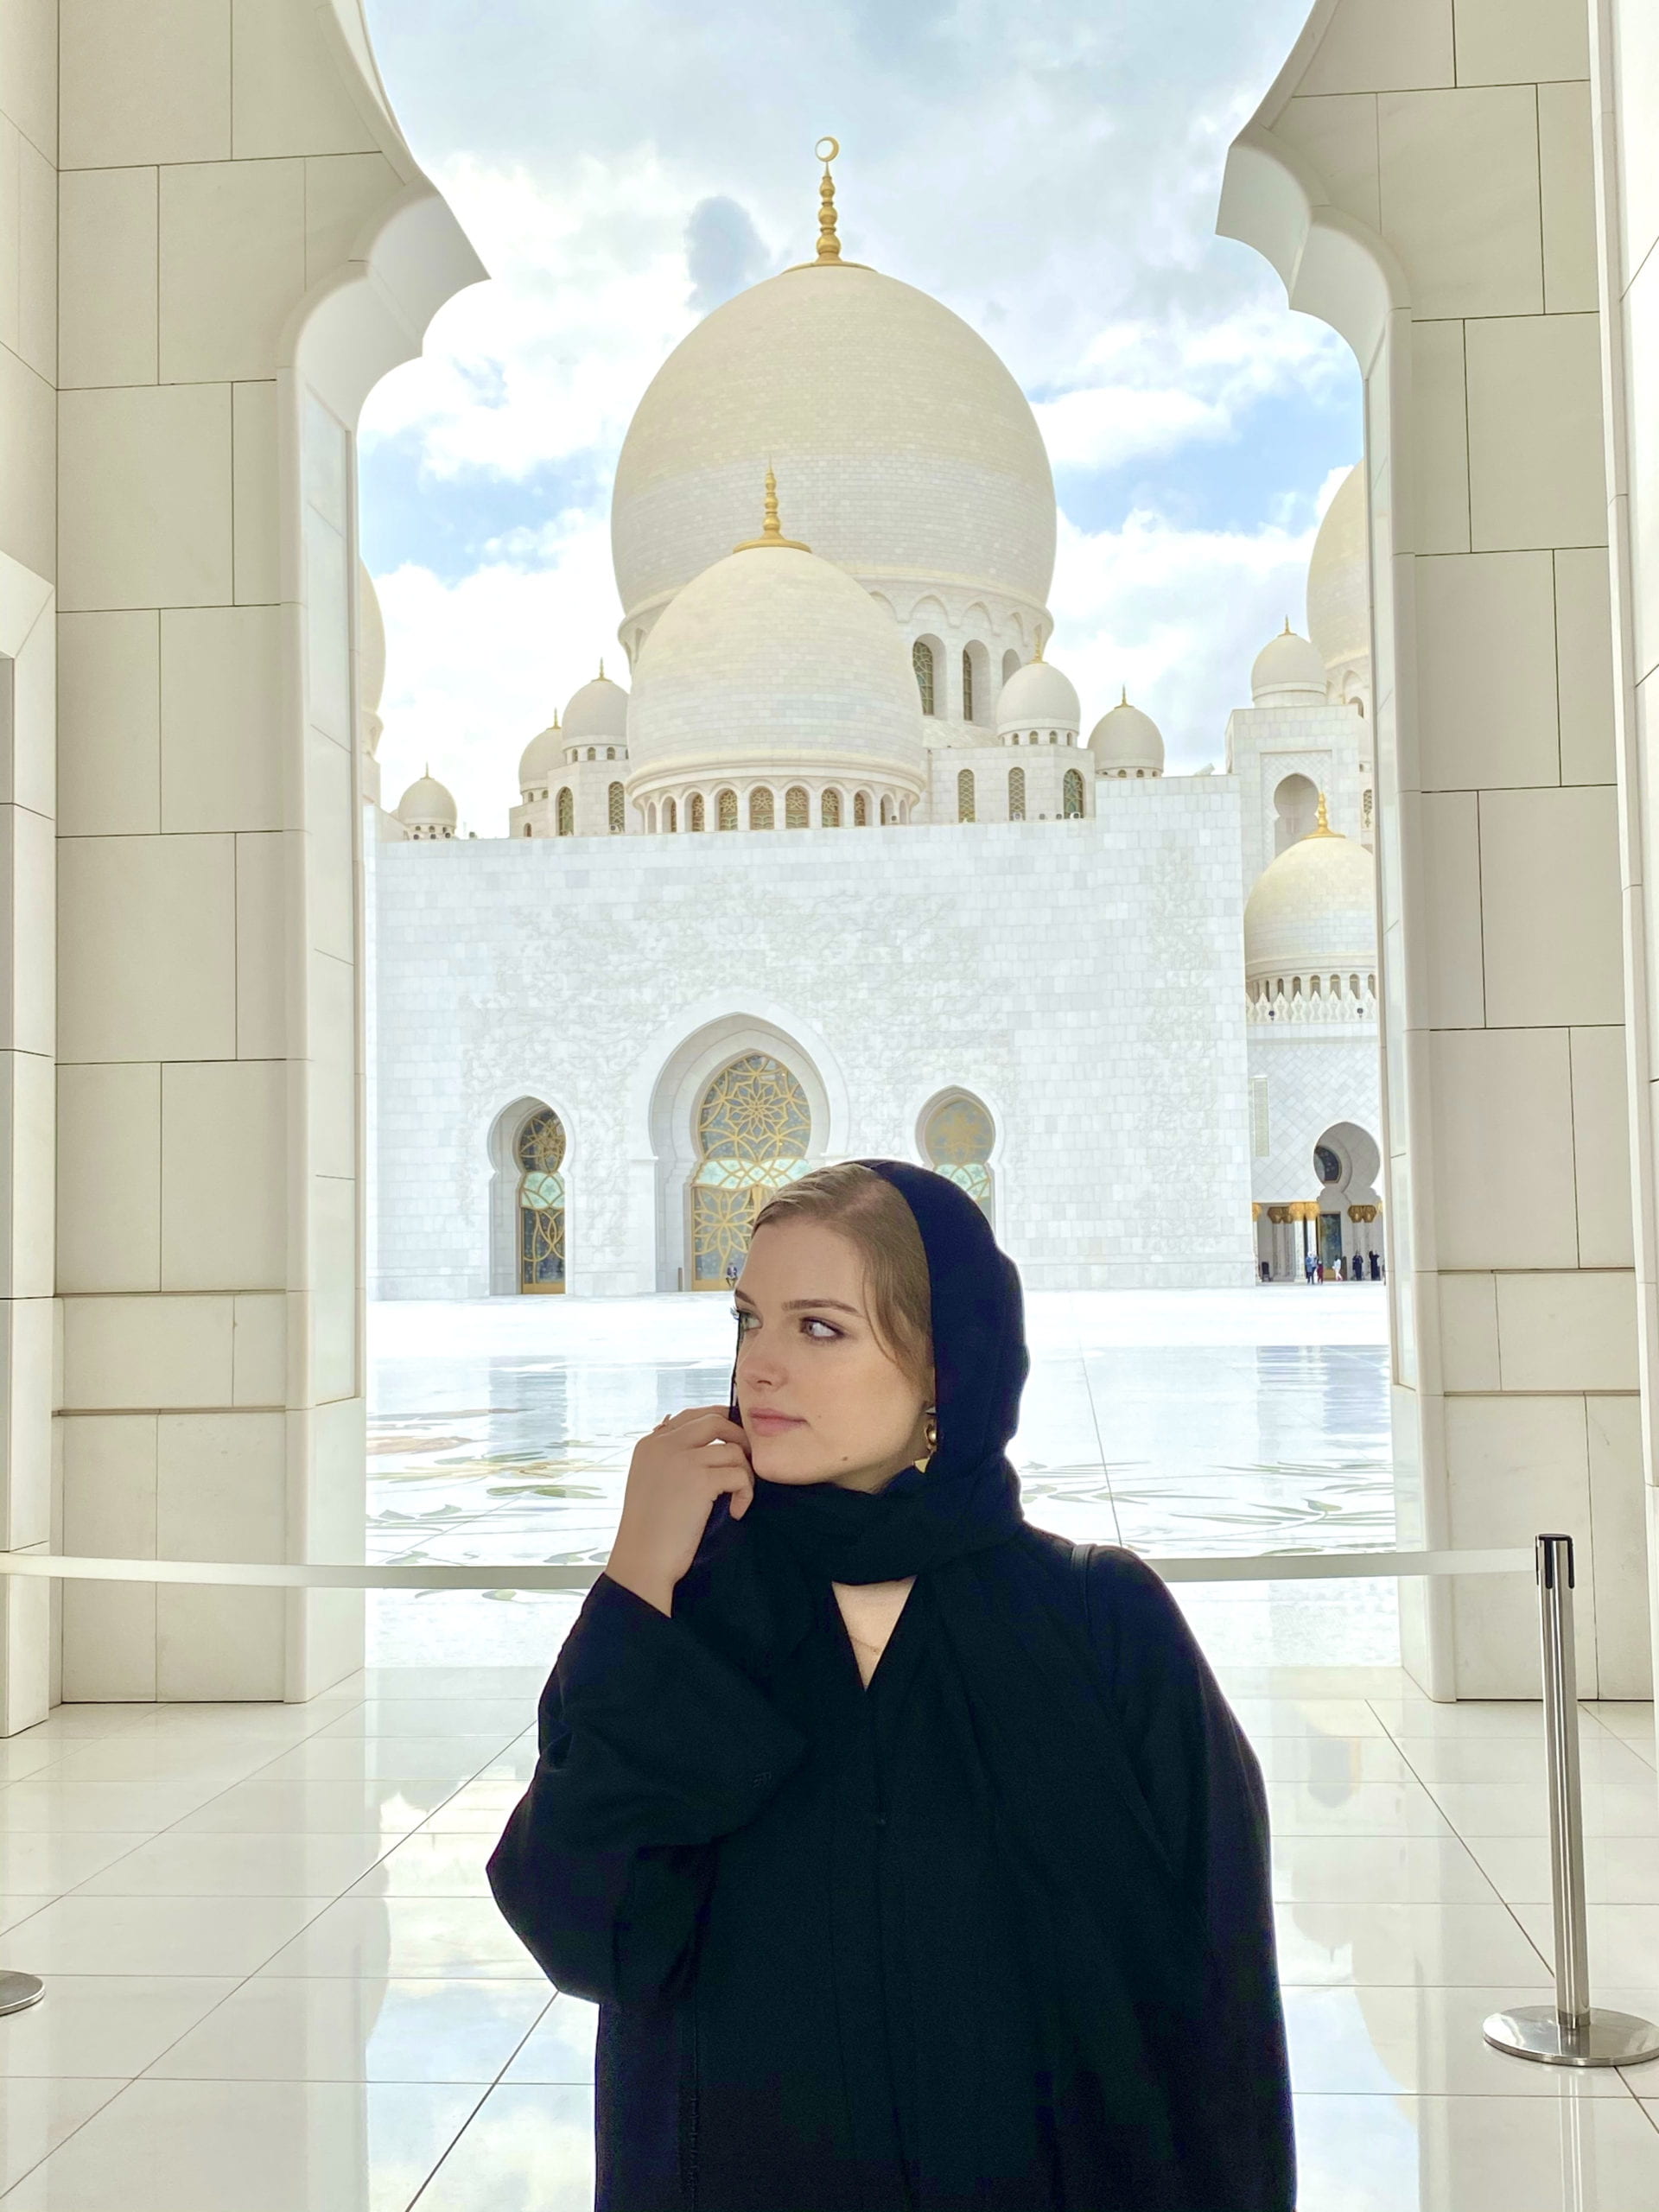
(957, 1137)
(1295, 810)
(528, 1247)
(753, 1130)
(1348, 1161)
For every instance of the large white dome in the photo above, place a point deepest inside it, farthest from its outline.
(906, 447)
(1313, 911)
(772, 660)
(1338, 581)
(1037, 696)
(1287, 672)
(427, 805)
(541, 757)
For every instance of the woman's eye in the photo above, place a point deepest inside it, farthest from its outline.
(821, 1331)
(744, 1320)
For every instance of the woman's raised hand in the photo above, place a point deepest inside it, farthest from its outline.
(676, 1473)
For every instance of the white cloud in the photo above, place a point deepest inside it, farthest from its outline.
(1177, 616)
(1107, 424)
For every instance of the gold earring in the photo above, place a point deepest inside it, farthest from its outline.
(930, 1437)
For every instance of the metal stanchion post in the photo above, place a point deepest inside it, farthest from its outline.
(1570, 2032)
(18, 1991)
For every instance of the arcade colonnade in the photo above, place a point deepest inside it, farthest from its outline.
(219, 246)
(1467, 190)
(219, 241)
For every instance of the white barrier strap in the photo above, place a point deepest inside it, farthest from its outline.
(1257, 1567)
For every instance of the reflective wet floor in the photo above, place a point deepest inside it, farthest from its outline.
(1174, 1421)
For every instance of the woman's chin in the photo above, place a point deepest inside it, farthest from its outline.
(785, 1459)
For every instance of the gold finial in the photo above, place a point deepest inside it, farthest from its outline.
(1321, 821)
(771, 530)
(828, 242)
(1287, 625)
(602, 668)
(1038, 653)
(1123, 689)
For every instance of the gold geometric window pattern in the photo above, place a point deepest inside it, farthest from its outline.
(567, 815)
(726, 811)
(921, 659)
(753, 1127)
(964, 795)
(967, 685)
(540, 1155)
(794, 808)
(829, 809)
(760, 809)
(957, 1140)
(1072, 802)
(614, 809)
(1016, 794)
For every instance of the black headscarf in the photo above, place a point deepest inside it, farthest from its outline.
(1114, 1934)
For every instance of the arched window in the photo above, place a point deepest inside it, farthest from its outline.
(1295, 807)
(921, 659)
(539, 1152)
(964, 795)
(566, 817)
(829, 809)
(967, 685)
(613, 809)
(754, 1126)
(761, 816)
(1010, 663)
(726, 811)
(796, 814)
(860, 810)
(1016, 794)
(693, 811)
(592, 756)
(1072, 801)
(651, 818)
(886, 812)
(1053, 737)
(957, 1136)
(671, 815)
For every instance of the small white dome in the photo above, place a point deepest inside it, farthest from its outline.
(599, 710)
(426, 803)
(1037, 696)
(1287, 672)
(1126, 740)
(1313, 909)
(1338, 581)
(773, 660)
(542, 757)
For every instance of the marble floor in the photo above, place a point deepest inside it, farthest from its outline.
(276, 1981)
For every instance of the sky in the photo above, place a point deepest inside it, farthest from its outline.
(1051, 172)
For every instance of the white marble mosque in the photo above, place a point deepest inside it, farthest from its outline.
(833, 532)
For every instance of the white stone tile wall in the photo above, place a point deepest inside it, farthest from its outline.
(1081, 978)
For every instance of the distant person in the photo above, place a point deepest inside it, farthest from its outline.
(1337, 1269)
(1264, 1268)
(911, 1853)
(1307, 1266)
(1377, 1267)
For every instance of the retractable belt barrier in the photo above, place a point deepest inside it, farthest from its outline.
(1571, 2032)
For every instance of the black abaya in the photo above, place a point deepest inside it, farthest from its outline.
(992, 1933)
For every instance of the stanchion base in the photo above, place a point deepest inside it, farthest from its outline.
(1553, 2038)
(18, 1991)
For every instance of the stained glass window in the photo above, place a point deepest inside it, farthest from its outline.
(726, 811)
(1016, 794)
(567, 812)
(614, 808)
(921, 659)
(754, 1128)
(860, 810)
(539, 1152)
(693, 811)
(760, 813)
(964, 795)
(957, 1139)
(967, 685)
(1072, 804)
(796, 815)
(829, 809)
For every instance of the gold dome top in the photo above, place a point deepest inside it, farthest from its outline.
(771, 530)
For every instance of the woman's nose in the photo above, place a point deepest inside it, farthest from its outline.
(759, 1366)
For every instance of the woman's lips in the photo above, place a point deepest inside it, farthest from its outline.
(771, 1423)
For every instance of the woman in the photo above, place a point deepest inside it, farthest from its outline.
(911, 1853)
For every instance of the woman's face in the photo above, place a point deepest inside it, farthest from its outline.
(821, 1399)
